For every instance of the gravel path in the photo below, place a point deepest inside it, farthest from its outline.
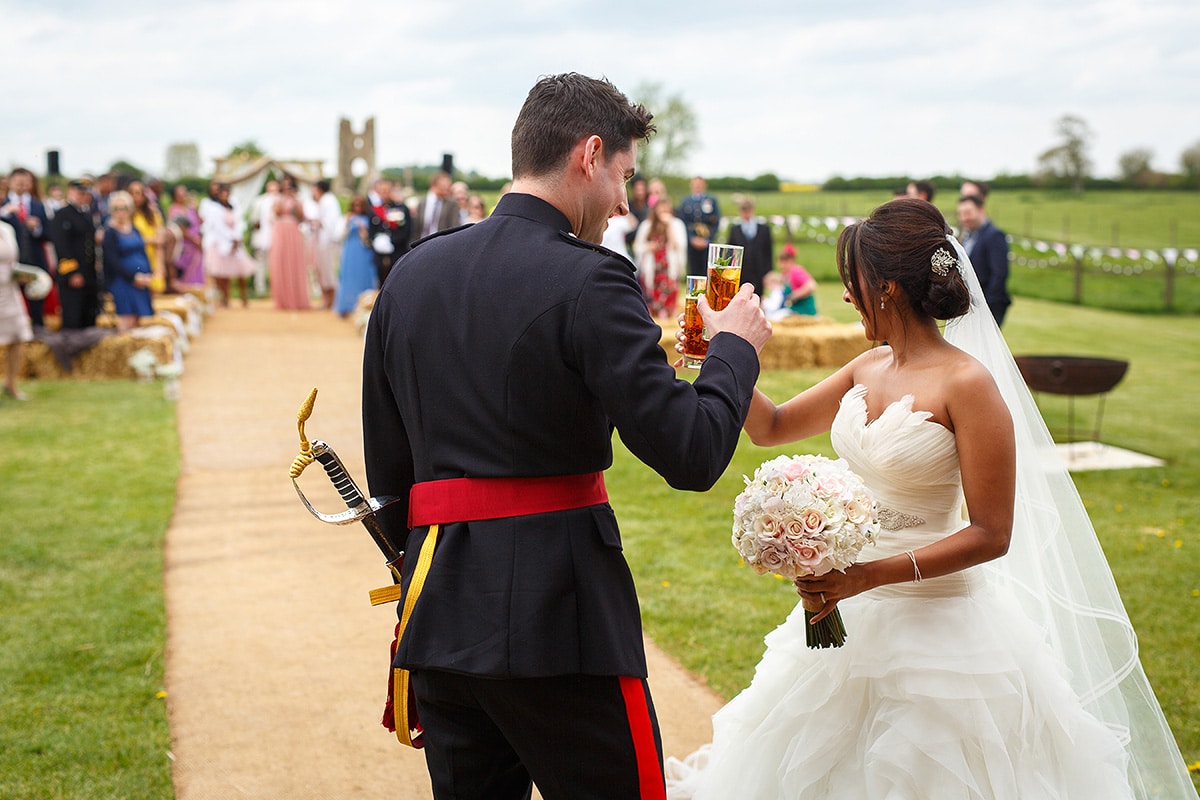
(276, 663)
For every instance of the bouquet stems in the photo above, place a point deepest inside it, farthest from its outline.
(829, 632)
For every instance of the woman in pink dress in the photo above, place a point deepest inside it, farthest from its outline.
(289, 278)
(224, 258)
(189, 261)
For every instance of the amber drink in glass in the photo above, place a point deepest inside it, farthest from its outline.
(724, 274)
(695, 346)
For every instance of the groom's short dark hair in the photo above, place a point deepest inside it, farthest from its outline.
(560, 110)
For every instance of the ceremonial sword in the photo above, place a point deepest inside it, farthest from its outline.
(359, 508)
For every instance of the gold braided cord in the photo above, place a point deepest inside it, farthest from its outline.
(306, 457)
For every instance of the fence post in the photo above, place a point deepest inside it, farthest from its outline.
(1078, 277)
(1169, 291)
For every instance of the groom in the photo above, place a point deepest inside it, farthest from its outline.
(498, 359)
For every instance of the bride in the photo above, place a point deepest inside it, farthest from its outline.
(988, 654)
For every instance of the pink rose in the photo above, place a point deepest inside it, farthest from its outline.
(812, 520)
(795, 470)
(770, 557)
(813, 559)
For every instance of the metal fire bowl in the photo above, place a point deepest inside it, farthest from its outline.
(1071, 375)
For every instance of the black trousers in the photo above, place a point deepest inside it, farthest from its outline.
(578, 737)
(79, 305)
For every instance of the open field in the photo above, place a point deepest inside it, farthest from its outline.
(1118, 237)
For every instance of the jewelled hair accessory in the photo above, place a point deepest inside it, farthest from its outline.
(942, 261)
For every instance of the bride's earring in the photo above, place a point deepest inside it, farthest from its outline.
(881, 302)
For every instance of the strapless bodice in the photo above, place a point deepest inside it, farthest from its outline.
(910, 464)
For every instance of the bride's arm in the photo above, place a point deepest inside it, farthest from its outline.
(983, 435)
(807, 414)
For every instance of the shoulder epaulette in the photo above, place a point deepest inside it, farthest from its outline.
(443, 232)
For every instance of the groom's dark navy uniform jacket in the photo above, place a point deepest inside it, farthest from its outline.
(512, 349)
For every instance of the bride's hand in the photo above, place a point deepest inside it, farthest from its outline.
(821, 593)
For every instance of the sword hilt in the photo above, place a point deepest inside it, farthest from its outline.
(352, 496)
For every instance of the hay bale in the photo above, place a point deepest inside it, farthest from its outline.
(798, 342)
(108, 359)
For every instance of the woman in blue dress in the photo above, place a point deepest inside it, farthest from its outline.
(358, 259)
(127, 272)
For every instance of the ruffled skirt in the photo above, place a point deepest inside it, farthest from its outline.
(947, 697)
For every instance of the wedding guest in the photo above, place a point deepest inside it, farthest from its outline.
(392, 227)
(988, 248)
(325, 228)
(754, 235)
(639, 204)
(102, 187)
(73, 231)
(702, 215)
(921, 189)
(799, 287)
(224, 259)
(437, 210)
(127, 271)
(358, 259)
(15, 327)
(289, 278)
(655, 189)
(461, 192)
(262, 214)
(619, 229)
(189, 263)
(55, 199)
(24, 211)
(974, 189)
(660, 252)
(476, 209)
(149, 223)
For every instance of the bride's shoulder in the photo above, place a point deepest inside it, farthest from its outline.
(970, 388)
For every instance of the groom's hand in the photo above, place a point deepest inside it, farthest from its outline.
(743, 317)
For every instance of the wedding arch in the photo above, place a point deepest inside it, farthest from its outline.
(246, 174)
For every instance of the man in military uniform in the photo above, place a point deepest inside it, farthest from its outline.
(498, 360)
(390, 227)
(700, 212)
(73, 231)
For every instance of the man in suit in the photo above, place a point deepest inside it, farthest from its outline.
(73, 231)
(498, 359)
(987, 247)
(702, 215)
(437, 210)
(922, 189)
(755, 236)
(389, 226)
(25, 212)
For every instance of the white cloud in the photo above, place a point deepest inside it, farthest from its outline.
(869, 88)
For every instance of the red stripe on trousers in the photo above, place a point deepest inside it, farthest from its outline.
(650, 778)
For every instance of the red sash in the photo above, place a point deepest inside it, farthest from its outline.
(467, 499)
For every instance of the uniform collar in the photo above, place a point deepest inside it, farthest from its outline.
(532, 208)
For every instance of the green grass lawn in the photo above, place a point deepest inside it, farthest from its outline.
(87, 484)
(711, 613)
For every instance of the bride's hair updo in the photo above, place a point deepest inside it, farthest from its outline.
(897, 243)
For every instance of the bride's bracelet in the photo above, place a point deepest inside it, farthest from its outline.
(916, 570)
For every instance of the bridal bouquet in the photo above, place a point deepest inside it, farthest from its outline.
(801, 516)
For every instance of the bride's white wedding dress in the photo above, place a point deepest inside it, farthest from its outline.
(944, 688)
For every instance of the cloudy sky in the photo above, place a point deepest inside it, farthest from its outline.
(801, 88)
